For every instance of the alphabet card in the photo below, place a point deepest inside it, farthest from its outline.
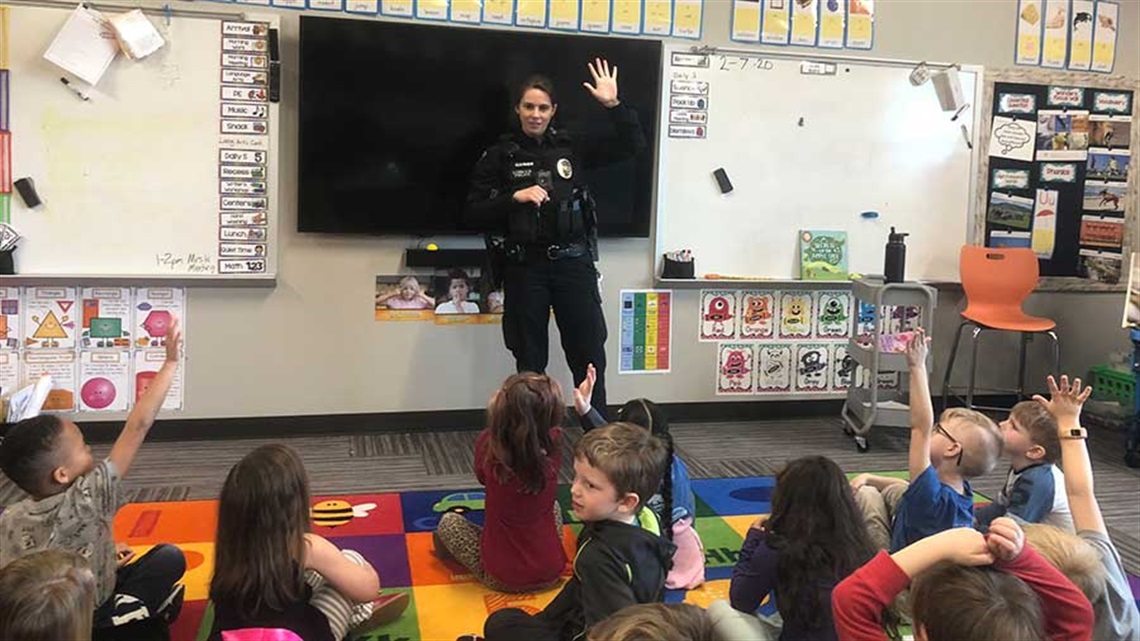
(812, 367)
(49, 318)
(155, 309)
(60, 365)
(103, 380)
(774, 368)
(833, 315)
(9, 320)
(718, 314)
(106, 318)
(795, 314)
(757, 314)
(147, 364)
(735, 372)
(843, 368)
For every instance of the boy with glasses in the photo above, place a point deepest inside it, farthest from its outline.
(962, 445)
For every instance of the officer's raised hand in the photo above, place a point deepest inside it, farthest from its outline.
(533, 194)
(604, 89)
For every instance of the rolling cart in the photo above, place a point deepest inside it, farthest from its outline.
(882, 308)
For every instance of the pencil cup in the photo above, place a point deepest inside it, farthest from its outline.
(678, 268)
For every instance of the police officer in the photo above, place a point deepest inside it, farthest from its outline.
(527, 194)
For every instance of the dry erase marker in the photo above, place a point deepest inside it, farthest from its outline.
(75, 90)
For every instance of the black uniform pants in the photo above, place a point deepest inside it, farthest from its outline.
(570, 286)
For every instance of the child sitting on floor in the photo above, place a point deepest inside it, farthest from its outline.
(813, 539)
(674, 498)
(622, 559)
(519, 547)
(1034, 489)
(271, 572)
(943, 457)
(73, 503)
(47, 596)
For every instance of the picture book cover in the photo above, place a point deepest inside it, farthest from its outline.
(823, 255)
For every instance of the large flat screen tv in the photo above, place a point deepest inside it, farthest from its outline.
(394, 115)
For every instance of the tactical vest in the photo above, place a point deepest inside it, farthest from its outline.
(567, 216)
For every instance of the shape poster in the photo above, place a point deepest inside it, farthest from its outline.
(646, 331)
(106, 318)
(717, 315)
(146, 365)
(49, 318)
(104, 377)
(9, 318)
(155, 310)
(735, 372)
(60, 365)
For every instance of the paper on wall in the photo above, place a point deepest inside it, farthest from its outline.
(85, 46)
(1012, 138)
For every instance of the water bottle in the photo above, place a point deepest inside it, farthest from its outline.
(894, 267)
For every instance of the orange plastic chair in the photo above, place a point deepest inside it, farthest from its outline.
(997, 281)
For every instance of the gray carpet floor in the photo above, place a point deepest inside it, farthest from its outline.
(337, 464)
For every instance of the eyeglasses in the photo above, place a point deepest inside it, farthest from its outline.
(938, 427)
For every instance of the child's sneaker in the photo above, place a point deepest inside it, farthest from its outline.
(385, 610)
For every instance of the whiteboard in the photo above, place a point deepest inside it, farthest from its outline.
(806, 151)
(130, 179)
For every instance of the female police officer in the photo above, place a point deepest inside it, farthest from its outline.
(527, 194)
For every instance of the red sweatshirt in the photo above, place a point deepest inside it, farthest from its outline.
(857, 603)
(520, 546)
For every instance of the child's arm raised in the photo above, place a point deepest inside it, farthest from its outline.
(583, 394)
(858, 602)
(921, 411)
(1065, 406)
(358, 583)
(1068, 614)
(146, 409)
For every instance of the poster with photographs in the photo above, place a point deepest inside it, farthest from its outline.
(456, 291)
(843, 367)
(1132, 296)
(717, 320)
(1100, 266)
(404, 298)
(1110, 132)
(774, 368)
(735, 371)
(1104, 164)
(1010, 211)
(812, 367)
(833, 315)
(757, 314)
(796, 309)
(1062, 135)
(1104, 196)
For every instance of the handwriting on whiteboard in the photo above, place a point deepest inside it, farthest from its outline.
(743, 63)
(191, 263)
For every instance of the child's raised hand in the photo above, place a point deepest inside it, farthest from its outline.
(173, 340)
(1006, 539)
(585, 391)
(916, 349)
(1065, 400)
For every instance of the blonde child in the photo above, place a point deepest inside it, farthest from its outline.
(409, 295)
(270, 571)
(943, 457)
(517, 456)
(47, 596)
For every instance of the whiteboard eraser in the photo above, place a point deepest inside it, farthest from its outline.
(948, 87)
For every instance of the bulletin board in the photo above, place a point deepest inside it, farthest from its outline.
(1057, 174)
(164, 169)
